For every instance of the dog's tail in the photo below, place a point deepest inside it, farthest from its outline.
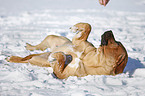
(17, 59)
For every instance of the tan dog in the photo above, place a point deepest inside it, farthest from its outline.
(79, 57)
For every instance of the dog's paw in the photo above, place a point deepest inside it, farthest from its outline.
(14, 59)
(8, 59)
(29, 47)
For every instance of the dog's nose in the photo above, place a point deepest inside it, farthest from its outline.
(106, 36)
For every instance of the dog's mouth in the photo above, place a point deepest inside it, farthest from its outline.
(106, 37)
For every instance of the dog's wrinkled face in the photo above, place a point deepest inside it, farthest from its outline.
(109, 44)
(114, 50)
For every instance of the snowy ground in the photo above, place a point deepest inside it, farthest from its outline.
(32, 20)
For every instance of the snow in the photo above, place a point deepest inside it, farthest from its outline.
(31, 21)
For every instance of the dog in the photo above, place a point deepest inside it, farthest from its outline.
(78, 57)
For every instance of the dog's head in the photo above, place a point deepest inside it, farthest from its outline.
(113, 49)
(82, 30)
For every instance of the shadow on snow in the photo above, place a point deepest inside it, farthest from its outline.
(132, 65)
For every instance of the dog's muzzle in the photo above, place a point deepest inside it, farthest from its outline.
(105, 37)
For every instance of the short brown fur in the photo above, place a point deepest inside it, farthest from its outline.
(109, 59)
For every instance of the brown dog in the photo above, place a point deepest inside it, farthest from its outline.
(79, 57)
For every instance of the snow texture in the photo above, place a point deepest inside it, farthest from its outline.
(31, 21)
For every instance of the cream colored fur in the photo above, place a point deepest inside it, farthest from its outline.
(78, 57)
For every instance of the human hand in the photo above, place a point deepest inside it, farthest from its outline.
(103, 2)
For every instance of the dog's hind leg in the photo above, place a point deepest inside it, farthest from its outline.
(34, 59)
(51, 41)
(41, 60)
(57, 62)
(16, 59)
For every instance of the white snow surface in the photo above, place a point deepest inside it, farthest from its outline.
(31, 21)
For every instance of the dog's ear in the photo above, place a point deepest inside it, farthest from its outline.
(121, 63)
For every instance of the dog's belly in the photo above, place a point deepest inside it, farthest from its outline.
(69, 51)
(64, 48)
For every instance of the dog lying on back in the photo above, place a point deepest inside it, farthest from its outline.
(78, 57)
